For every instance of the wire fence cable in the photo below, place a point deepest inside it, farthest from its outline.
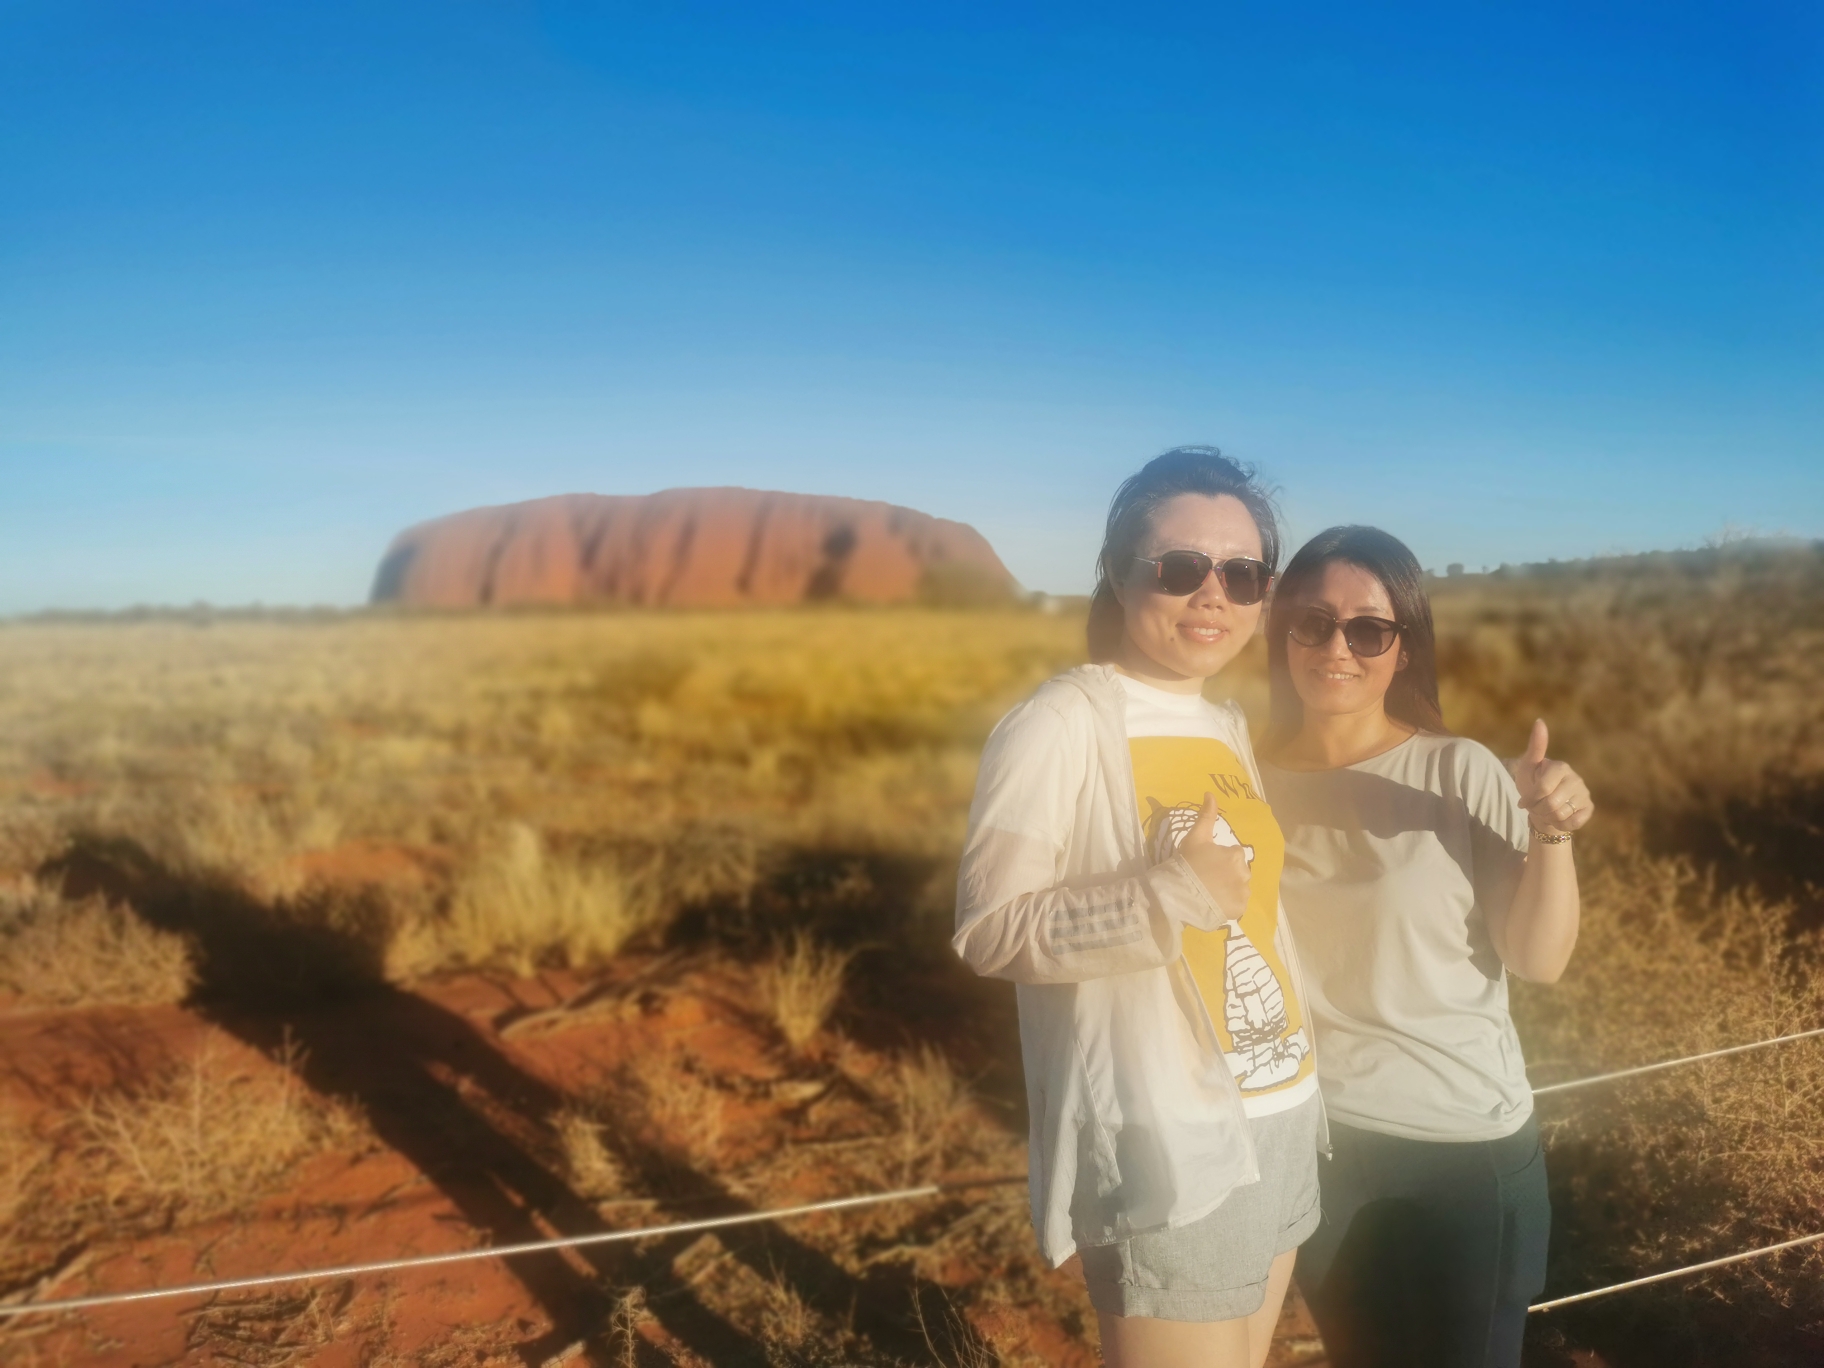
(600, 1237)
(1671, 1273)
(22, 1308)
(1673, 1063)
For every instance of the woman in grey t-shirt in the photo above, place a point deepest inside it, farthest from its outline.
(1419, 872)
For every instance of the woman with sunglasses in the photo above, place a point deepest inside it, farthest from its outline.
(1123, 870)
(1419, 873)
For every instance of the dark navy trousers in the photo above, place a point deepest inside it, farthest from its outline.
(1427, 1253)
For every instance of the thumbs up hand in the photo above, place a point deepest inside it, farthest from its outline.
(1556, 799)
(1221, 869)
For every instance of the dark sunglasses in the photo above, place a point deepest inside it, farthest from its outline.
(1366, 636)
(1243, 579)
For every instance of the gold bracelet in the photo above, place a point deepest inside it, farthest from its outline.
(1539, 835)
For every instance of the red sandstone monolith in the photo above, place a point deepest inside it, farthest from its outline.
(688, 548)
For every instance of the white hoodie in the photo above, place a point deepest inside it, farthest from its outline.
(1137, 1121)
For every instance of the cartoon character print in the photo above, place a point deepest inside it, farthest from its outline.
(1254, 1012)
(1264, 1053)
(1167, 826)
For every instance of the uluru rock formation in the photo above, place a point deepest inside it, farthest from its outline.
(685, 547)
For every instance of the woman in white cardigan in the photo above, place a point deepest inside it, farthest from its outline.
(1122, 869)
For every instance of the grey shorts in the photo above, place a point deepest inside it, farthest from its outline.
(1216, 1268)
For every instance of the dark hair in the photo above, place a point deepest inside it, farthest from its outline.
(1182, 470)
(1412, 698)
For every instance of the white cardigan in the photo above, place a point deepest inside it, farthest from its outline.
(1137, 1122)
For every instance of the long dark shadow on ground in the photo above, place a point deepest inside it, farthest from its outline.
(432, 1087)
(438, 1091)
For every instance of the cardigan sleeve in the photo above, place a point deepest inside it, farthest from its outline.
(1017, 916)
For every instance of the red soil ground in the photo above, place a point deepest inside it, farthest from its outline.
(454, 1081)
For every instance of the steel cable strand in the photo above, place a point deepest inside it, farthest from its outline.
(14, 1309)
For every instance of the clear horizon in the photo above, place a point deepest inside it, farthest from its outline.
(1729, 540)
(276, 284)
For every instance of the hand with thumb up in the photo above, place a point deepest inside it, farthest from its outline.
(1222, 868)
(1556, 799)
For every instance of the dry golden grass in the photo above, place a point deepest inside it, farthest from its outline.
(520, 905)
(199, 1139)
(222, 828)
(61, 952)
(624, 1340)
(961, 1347)
(582, 777)
(908, 1119)
(801, 986)
(590, 1165)
(1682, 1166)
(271, 1329)
(785, 1319)
(578, 784)
(832, 1308)
(24, 1155)
(931, 1107)
(202, 1136)
(668, 1105)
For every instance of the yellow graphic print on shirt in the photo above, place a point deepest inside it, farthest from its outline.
(1237, 968)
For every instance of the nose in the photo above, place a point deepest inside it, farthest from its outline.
(1336, 645)
(1210, 592)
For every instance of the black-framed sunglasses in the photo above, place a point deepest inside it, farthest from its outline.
(1243, 579)
(1366, 636)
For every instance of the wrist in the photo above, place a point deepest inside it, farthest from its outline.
(1204, 896)
(1550, 838)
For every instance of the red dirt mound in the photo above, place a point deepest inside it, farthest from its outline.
(684, 548)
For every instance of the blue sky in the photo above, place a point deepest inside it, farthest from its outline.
(1514, 281)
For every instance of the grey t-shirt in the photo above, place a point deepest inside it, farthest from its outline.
(1391, 866)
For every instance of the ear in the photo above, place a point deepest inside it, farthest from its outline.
(1402, 662)
(1117, 583)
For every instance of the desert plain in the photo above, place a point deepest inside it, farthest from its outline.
(331, 937)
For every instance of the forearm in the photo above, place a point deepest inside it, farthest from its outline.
(1539, 930)
(1069, 934)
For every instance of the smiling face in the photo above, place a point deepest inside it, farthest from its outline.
(1178, 641)
(1331, 678)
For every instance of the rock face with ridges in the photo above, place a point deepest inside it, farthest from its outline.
(681, 548)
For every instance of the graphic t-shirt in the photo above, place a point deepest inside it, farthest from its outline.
(1184, 747)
